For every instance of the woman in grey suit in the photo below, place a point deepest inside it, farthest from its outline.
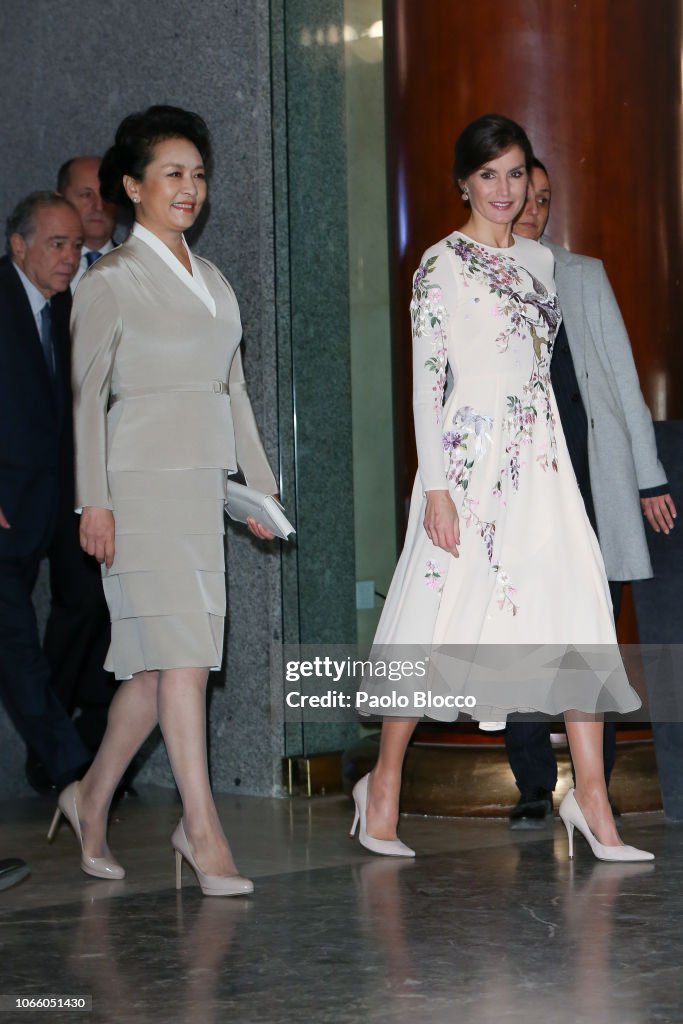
(161, 417)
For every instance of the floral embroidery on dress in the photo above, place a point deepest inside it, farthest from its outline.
(544, 460)
(487, 530)
(433, 576)
(527, 307)
(499, 272)
(504, 279)
(527, 311)
(505, 591)
(428, 316)
(522, 415)
(468, 423)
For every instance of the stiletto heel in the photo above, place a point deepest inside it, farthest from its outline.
(572, 815)
(54, 824)
(356, 819)
(211, 885)
(386, 847)
(98, 867)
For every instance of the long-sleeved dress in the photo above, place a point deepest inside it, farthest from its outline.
(161, 416)
(529, 572)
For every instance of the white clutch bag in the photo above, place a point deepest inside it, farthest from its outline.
(243, 502)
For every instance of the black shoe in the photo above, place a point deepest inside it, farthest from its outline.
(533, 810)
(12, 871)
(37, 777)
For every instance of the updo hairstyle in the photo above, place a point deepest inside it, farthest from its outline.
(484, 140)
(134, 144)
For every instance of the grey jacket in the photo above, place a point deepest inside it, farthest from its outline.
(157, 380)
(622, 453)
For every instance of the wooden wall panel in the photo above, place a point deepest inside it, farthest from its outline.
(597, 85)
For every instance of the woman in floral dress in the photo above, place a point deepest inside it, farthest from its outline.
(499, 550)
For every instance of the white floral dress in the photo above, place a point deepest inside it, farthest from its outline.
(529, 570)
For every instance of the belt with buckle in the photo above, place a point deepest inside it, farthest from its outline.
(217, 387)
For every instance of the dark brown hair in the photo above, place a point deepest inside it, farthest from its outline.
(134, 143)
(484, 140)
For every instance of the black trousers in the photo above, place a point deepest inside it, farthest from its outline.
(78, 631)
(26, 692)
(530, 751)
(532, 757)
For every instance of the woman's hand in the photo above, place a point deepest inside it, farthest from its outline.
(660, 512)
(97, 533)
(441, 522)
(259, 530)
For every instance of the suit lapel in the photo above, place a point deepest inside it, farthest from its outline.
(24, 332)
(160, 271)
(61, 311)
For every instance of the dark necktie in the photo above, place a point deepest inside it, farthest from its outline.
(47, 337)
(92, 257)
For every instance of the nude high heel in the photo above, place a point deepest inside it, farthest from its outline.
(572, 816)
(211, 885)
(386, 847)
(98, 867)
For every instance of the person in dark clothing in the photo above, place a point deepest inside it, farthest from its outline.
(611, 442)
(44, 237)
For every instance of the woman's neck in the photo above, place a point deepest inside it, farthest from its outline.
(173, 240)
(498, 236)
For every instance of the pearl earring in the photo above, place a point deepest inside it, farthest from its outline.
(465, 195)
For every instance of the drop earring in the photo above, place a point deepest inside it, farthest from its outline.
(465, 196)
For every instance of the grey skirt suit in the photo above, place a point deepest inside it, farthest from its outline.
(161, 417)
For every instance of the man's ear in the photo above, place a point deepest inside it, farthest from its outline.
(18, 247)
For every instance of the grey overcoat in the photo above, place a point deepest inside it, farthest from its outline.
(622, 453)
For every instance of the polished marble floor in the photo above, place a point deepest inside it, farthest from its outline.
(484, 926)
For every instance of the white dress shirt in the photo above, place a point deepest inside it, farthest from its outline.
(35, 297)
(83, 265)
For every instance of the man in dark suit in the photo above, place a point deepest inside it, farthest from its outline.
(78, 630)
(44, 236)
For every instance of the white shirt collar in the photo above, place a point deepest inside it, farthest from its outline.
(34, 295)
(103, 250)
(194, 281)
(83, 265)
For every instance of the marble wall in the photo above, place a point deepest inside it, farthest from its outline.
(370, 328)
(277, 228)
(312, 232)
